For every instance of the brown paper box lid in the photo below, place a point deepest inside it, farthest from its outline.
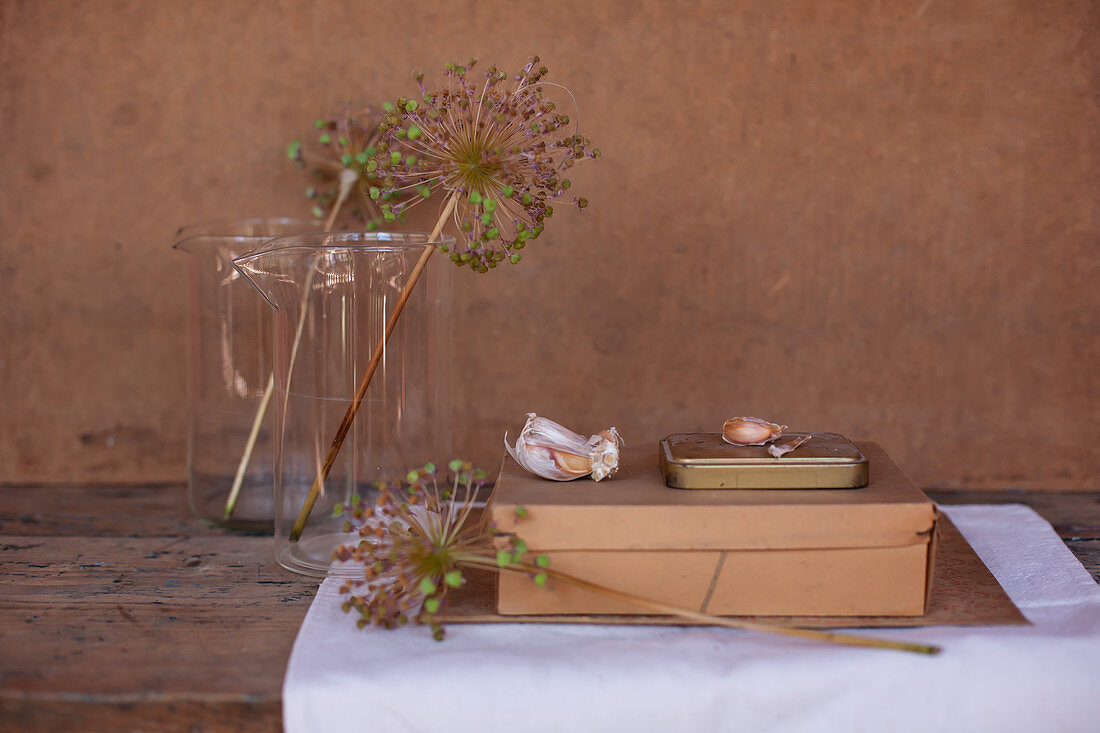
(634, 510)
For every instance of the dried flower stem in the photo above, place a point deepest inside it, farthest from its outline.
(348, 179)
(246, 458)
(830, 637)
(372, 366)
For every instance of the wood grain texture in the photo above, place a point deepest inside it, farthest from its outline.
(118, 611)
(878, 219)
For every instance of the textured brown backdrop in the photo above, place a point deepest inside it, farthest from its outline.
(874, 218)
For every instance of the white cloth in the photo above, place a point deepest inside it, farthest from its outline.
(519, 677)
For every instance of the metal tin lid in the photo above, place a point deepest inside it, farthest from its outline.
(705, 461)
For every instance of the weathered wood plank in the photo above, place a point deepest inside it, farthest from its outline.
(120, 610)
(95, 713)
(191, 571)
(150, 651)
(117, 633)
(99, 511)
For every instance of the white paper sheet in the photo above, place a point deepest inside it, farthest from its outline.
(575, 678)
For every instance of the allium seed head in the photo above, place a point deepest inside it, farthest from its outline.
(412, 545)
(346, 144)
(500, 146)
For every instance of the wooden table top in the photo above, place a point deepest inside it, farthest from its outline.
(120, 611)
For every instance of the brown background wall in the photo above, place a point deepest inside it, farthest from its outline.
(877, 218)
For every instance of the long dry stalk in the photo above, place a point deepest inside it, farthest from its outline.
(829, 637)
(368, 374)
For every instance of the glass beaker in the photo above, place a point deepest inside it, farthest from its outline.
(333, 294)
(229, 330)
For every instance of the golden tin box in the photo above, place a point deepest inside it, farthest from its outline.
(705, 461)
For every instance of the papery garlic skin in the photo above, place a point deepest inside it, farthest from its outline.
(778, 450)
(554, 452)
(750, 431)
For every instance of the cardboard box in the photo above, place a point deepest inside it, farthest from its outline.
(842, 552)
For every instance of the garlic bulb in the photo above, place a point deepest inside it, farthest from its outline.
(750, 431)
(551, 451)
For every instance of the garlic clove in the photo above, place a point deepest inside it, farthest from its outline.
(572, 464)
(554, 452)
(750, 431)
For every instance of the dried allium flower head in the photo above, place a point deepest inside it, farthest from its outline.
(500, 147)
(414, 542)
(343, 161)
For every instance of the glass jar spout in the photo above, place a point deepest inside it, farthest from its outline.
(229, 329)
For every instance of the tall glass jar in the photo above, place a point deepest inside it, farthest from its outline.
(229, 447)
(333, 294)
